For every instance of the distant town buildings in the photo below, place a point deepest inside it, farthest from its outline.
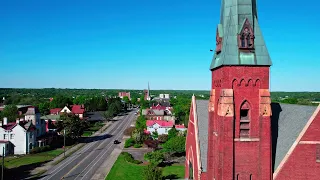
(123, 94)
(164, 96)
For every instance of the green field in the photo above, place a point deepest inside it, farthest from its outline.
(92, 129)
(123, 170)
(14, 162)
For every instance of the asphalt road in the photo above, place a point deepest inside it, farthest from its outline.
(85, 162)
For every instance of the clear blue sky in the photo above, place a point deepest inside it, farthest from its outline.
(126, 43)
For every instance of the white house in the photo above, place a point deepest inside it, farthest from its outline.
(180, 127)
(17, 137)
(161, 126)
(65, 110)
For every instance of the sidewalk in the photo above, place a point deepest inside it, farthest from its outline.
(58, 159)
(105, 168)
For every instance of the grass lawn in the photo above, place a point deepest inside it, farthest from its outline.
(123, 170)
(87, 133)
(177, 170)
(92, 129)
(13, 162)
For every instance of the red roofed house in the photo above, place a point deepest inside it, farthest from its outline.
(55, 111)
(180, 127)
(239, 134)
(78, 110)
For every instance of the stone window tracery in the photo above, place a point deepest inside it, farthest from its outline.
(245, 120)
(246, 36)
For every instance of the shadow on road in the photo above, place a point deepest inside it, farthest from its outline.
(94, 138)
(22, 172)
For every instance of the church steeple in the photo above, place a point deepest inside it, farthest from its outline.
(234, 16)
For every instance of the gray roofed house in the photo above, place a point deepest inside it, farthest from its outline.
(51, 117)
(155, 112)
(203, 117)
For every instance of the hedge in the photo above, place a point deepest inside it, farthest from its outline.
(129, 158)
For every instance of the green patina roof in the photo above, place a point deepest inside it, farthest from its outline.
(52, 117)
(233, 16)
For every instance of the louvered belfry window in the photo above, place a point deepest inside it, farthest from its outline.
(245, 120)
(318, 153)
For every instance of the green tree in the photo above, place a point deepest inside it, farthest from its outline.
(79, 100)
(11, 112)
(173, 132)
(155, 157)
(175, 145)
(44, 108)
(73, 125)
(141, 123)
(60, 102)
(163, 138)
(101, 104)
(108, 115)
(126, 99)
(134, 101)
(138, 136)
(152, 172)
(155, 135)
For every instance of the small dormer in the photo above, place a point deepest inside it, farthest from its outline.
(219, 39)
(246, 36)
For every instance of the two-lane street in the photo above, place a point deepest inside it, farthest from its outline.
(84, 163)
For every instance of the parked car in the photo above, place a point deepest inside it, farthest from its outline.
(116, 142)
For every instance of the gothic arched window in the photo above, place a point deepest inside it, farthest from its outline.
(245, 120)
(243, 42)
(246, 36)
(248, 40)
(190, 170)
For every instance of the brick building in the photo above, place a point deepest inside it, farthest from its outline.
(239, 134)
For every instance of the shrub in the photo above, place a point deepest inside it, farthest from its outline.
(155, 135)
(129, 142)
(129, 131)
(151, 143)
(137, 145)
(40, 149)
(175, 145)
(35, 150)
(129, 158)
(155, 157)
(152, 172)
(163, 138)
(172, 133)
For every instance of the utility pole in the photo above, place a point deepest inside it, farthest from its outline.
(2, 163)
(64, 142)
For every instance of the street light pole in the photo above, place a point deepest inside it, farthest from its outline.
(64, 142)
(2, 163)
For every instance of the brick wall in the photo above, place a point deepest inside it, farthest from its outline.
(228, 156)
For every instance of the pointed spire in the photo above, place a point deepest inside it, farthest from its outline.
(148, 90)
(233, 15)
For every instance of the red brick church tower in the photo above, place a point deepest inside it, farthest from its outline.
(239, 134)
